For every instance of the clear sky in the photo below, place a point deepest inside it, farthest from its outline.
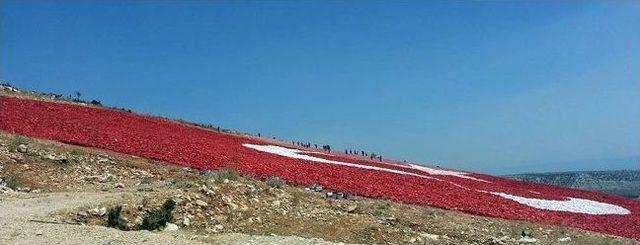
(498, 87)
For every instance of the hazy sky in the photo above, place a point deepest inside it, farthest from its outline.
(498, 87)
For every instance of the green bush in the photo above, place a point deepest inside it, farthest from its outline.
(156, 219)
(13, 181)
(275, 182)
(96, 102)
(113, 218)
(221, 175)
(16, 141)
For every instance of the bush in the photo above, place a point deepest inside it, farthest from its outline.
(16, 141)
(222, 174)
(113, 218)
(96, 102)
(13, 181)
(275, 182)
(156, 219)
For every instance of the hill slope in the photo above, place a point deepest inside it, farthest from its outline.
(62, 186)
(205, 149)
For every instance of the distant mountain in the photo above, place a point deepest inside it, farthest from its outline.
(617, 182)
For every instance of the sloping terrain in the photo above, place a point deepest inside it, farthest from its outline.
(624, 183)
(60, 190)
(205, 149)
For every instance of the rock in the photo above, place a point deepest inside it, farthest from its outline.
(171, 227)
(22, 148)
(107, 178)
(352, 207)
(500, 241)
(202, 203)
(329, 195)
(430, 236)
(36, 191)
(206, 190)
(276, 203)
(82, 214)
(119, 185)
(98, 211)
(138, 220)
(50, 157)
(92, 178)
(564, 239)
(526, 233)
(186, 221)
(527, 240)
(229, 202)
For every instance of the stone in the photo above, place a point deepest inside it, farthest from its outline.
(22, 148)
(202, 203)
(171, 227)
(527, 240)
(119, 185)
(526, 233)
(82, 214)
(430, 236)
(186, 221)
(351, 208)
(49, 157)
(564, 239)
(98, 211)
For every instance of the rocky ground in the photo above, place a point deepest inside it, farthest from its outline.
(57, 193)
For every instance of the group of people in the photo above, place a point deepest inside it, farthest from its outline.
(326, 148)
(371, 156)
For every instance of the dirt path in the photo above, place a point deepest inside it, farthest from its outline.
(18, 210)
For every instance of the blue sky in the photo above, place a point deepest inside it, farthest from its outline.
(498, 87)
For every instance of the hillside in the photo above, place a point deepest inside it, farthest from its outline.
(205, 153)
(58, 191)
(619, 182)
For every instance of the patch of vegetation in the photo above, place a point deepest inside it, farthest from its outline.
(230, 215)
(16, 141)
(114, 218)
(296, 197)
(96, 102)
(275, 182)
(183, 184)
(221, 175)
(146, 180)
(75, 152)
(381, 209)
(13, 181)
(156, 219)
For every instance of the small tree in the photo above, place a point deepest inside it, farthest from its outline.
(157, 219)
(77, 94)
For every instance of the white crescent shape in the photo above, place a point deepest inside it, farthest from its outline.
(574, 205)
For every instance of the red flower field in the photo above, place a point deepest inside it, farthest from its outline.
(205, 149)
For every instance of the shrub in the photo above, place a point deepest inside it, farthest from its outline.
(13, 181)
(157, 219)
(96, 102)
(183, 184)
(221, 175)
(16, 141)
(113, 218)
(275, 182)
